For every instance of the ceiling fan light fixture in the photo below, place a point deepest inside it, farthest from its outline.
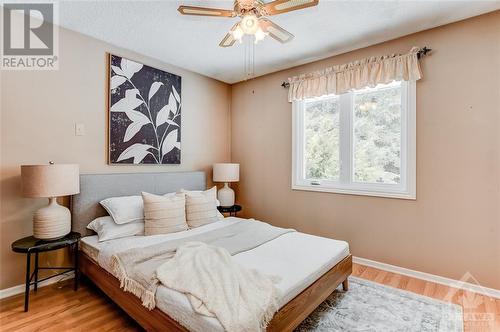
(238, 33)
(260, 35)
(249, 24)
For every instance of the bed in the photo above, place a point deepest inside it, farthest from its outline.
(319, 265)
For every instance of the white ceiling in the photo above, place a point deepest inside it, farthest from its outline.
(156, 29)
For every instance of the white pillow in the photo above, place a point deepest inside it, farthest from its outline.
(107, 229)
(124, 209)
(201, 207)
(164, 214)
(201, 191)
(220, 216)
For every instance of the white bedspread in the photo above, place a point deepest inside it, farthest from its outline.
(298, 258)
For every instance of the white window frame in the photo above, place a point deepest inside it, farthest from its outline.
(406, 189)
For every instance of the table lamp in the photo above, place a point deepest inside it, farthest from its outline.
(50, 181)
(226, 172)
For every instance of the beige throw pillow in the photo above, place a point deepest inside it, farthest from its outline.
(164, 214)
(201, 207)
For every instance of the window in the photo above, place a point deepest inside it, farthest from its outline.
(362, 142)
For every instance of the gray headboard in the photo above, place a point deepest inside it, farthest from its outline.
(95, 187)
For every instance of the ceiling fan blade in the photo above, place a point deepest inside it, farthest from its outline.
(283, 6)
(228, 39)
(275, 30)
(202, 11)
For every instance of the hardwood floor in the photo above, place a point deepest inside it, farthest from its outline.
(59, 308)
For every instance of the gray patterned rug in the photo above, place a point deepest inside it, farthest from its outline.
(369, 306)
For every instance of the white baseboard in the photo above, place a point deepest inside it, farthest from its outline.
(472, 287)
(8, 292)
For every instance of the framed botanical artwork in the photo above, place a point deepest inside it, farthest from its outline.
(144, 112)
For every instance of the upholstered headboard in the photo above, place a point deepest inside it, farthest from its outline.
(95, 187)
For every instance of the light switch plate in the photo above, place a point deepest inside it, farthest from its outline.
(79, 129)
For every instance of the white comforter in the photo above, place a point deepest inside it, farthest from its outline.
(297, 258)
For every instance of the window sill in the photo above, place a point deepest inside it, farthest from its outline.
(358, 192)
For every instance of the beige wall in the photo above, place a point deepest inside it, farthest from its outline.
(38, 114)
(454, 225)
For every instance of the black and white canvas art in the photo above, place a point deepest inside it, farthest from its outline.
(144, 114)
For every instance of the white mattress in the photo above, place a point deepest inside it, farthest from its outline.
(298, 258)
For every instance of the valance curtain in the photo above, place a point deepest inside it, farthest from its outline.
(356, 75)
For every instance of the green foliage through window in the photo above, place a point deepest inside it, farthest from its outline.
(377, 135)
(321, 119)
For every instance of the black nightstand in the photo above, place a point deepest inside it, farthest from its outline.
(232, 210)
(29, 245)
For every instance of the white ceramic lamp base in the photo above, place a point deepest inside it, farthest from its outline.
(52, 221)
(225, 195)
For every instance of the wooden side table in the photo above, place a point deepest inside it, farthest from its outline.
(29, 245)
(232, 210)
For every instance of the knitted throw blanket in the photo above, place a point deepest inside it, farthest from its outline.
(243, 300)
(136, 268)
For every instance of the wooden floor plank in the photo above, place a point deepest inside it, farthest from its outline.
(380, 277)
(59, 308)
(62, 309)
(429, 289)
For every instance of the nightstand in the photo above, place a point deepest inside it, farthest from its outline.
(30, 245)
(232, 210)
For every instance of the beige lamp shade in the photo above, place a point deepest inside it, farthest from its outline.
(52, 180)
(226, 172)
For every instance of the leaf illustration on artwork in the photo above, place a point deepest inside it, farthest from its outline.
(169, 143)
(128, 103)
(138, 120)
(137, 151)
(154, 89)
(164, 113)
(172, 123)
(172, 103)
(130, 67)
(116, 81)
(118, 70)
(176, 94)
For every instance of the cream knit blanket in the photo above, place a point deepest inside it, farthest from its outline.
(241, 299)
(136, 268)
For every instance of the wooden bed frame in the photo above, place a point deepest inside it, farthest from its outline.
(286, 319)
(85, 206)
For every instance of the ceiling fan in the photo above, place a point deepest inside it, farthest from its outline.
(253, 18)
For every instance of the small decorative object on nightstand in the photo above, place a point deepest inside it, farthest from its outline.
(50, 181)
(226, 172)
(30, 245)
(232, 210)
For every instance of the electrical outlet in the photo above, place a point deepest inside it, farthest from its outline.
(79, 129)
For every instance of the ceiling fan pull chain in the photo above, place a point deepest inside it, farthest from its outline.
(249, 48)
(245, 58)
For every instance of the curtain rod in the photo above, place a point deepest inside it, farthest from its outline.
(422, 52)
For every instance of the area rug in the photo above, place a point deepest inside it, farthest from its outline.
(369, 306)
